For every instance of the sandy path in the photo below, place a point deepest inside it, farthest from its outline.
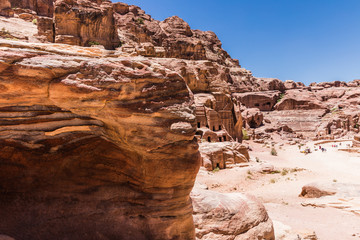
(279, 192)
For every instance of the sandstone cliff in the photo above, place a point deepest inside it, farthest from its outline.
(102, 142)
(94, 146)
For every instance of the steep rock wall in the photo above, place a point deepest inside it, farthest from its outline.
(94, 148)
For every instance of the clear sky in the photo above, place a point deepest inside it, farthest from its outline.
(302, 40)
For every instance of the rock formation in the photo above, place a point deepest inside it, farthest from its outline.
(41, 7)
(229, 216)
(222, 154)
(85, 23)
(95, 148)
(102, 142)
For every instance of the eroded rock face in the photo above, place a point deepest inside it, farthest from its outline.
(41, 7)
(222, 154)
(253, 117)
(94, 148)
(5, 8)
(85, 23)
(230, 216)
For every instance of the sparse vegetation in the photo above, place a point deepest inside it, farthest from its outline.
(334, 180)
(257, 159)
(34, 21)
(140, 21)
(249, 172)
(245, 135)
(281, 96)
(91, 43)
(273, 152)
(216, 169)
(272, 180)
(284, 172)
(6, 34)
(334, 109)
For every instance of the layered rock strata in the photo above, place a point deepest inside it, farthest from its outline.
(94, 148)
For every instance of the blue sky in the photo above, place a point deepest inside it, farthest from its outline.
(302, 40)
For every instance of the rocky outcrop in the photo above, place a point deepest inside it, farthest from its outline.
(93, 147)
(5, 8)
(299, 99)
(222, 154)
(73, 24)
(41, 7)
(316, 190)
(344, 196)
(230, 216)
(252, 117)
(265, 101)
(46, 31)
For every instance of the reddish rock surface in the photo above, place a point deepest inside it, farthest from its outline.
(41, 7)
(94, 148)
(5, 8)
(316, 190)
(252, 117)
(222, 155)
(74, 26)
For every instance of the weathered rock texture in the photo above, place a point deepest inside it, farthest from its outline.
(94, 148)
(85, 23)
(41, 7)
(226, 216)
(5, 8)
(221, 155)
(98, 143)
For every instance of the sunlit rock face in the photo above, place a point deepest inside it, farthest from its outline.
(94, 148)
(85, 23)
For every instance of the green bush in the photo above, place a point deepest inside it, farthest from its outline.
(281, 97)
(245, 135)
(140, 21)
(273, 152)
(34, 21)
(91, 43)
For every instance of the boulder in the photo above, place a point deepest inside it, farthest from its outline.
(253, 117)
(230, 216)
(290, 84)
(316, 190)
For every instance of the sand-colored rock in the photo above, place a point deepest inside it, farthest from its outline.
(230, 216)
(316, 190)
